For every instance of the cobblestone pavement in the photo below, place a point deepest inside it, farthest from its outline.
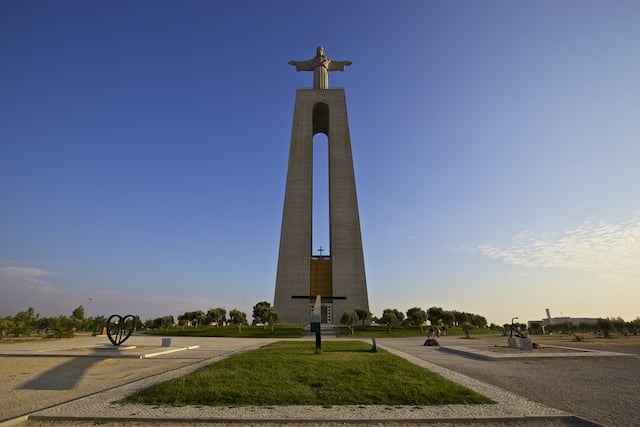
(603, 389)
(32, 383)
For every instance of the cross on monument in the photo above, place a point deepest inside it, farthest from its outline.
(320, 65)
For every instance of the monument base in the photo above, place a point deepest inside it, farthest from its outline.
(520, 343)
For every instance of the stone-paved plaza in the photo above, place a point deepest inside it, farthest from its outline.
(74, 382)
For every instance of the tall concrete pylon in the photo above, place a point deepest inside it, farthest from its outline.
(300, 273)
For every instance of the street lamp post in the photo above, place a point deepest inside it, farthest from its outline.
(511, 332)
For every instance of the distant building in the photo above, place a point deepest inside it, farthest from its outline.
(553, 321)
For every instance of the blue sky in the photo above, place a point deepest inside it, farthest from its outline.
(144, 145)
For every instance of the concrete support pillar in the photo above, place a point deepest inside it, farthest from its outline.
(320, 111)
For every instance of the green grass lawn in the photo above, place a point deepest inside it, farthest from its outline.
(290, 373)
(404, 331)
(280, 331)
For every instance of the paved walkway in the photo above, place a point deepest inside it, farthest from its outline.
(41, 374)
(602, 387)
(74, 381)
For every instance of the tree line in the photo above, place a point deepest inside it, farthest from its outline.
(29, 322)
(415, 316)
(263, 313)
(605, 326)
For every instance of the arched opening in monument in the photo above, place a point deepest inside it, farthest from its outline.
(320, 240)
(321, 118)
(321, 282)
(320, 231)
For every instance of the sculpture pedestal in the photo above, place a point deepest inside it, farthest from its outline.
(520, 343)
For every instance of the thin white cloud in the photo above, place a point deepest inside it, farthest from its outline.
(27, 276)
(607, 248)
(27, 273)
(22, 287)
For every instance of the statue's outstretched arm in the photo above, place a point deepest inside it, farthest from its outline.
(302, 65)
(338, 65)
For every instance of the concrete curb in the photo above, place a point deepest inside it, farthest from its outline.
(543, 420)
(480, 354)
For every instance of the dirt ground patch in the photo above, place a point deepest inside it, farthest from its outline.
(617, 343)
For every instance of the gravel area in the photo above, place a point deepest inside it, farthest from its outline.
(29, 384)
(603, 389)
(37, 374)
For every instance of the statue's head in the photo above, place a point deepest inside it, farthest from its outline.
(320, 51)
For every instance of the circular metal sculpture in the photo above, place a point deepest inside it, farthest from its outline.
(119, 328)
